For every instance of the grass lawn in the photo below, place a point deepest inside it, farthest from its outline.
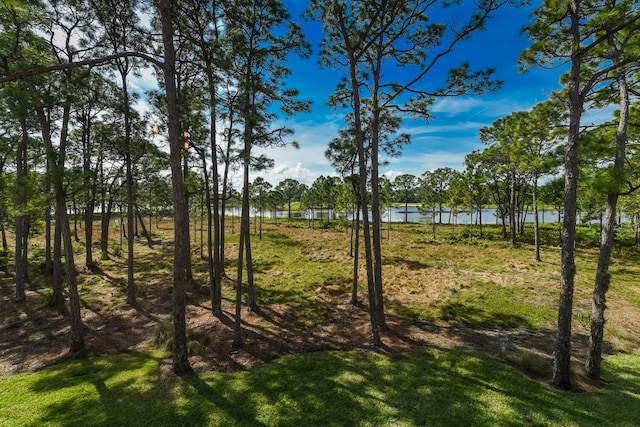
(423, 387)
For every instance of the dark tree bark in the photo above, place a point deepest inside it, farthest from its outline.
(356, 257)
(180, 354)
(603, 277)
(63, 228)
(245, 226)
(90, 188)
(362, 167)
(22, 225)
(562, 355)
(104, 230)
(146, 232)
(512, 210)
(131, 286)
(536, 225)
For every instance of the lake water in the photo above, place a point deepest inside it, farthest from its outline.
(397, 214)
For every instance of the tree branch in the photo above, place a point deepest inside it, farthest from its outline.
(95, 62)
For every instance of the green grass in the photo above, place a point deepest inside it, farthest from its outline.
(426, 387)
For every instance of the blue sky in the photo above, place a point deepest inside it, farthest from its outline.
(444, 140)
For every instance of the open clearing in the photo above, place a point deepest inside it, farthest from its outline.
(448, 293)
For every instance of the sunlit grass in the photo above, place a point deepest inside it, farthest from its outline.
(426, 387)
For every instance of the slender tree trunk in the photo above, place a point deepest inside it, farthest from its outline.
(512, 210)
(603, 277)
(536, 226)
(22, 225)
(356, 256)
(187, 196)
(146, 232)
(104, 231)
(180, 354)
(131, 286)
(90, 188)
(352, 230)
(562, 355)
(75, 219)
(245, 225)
(63, 228)
(77, 346)
(48, 263)
(88, 232)
(58, 286)
(433, 222)
(251, 298)
(237, 329)
(362, 166)
(406, 211)
(252, 304)
(377, 235)
(210, 257)
(3, 232)
(218, 224)
(223, 201)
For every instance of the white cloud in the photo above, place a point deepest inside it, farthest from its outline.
(479, 106)
(147, 80)
(435, 128)
(420, 163)
(306, 163)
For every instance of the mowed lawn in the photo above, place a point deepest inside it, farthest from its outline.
(430, 387)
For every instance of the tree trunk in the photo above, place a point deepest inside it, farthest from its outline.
(180, 354)
(131, 286)
(48, 260)
(536, 226)
(215, 308)
(88, 232)
(245, 225)
(433, 222)
(562, 355)
(22, 225)
(356, 256)
(362, 167)
(185, 168)
(251, 297)
(237, 328)
(104, 231)
(218, 224)
(512, 210)
(63, 228)
(406, 211)
(90, 188)
(77, 335)
(146, 232)
(603, 277)
(58, 286)
(75, 219)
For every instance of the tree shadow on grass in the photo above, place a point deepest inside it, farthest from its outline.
(421, 387)
(111, 391)
(409, 263)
